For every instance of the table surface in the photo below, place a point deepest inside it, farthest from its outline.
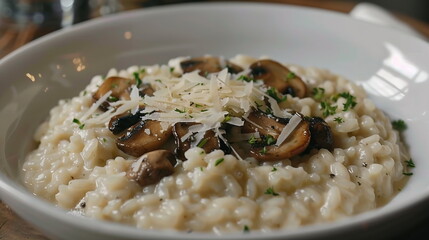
(12, 227)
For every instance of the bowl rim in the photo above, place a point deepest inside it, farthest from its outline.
(24, 197)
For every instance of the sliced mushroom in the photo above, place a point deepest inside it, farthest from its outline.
(207, 65)
(122, 122)
(209, 142)
(278, 76)
(321, 134)
(119, 87)
(143, 137)
(152, 167)
(270, 127)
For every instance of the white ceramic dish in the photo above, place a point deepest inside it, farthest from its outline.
(391, 65)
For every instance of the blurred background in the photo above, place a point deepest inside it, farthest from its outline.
(22, 21)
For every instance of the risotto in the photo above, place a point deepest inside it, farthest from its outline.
(209, 144)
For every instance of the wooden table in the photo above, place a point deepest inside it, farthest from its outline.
(12, 227)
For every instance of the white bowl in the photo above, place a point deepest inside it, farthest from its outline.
(389, 64)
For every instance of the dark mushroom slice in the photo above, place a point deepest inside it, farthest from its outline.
(120, 88)
(276, 75)
(146, 90)
(143, 137)
(207, 65)
(269, 128)
(122, 122)
(209, 142)
(321, 134)
(152, 167)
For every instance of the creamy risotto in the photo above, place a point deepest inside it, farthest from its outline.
(208, 144)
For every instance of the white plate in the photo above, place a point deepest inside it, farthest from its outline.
(389, 64)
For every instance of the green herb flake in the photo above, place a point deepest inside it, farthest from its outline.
(172, 69)
(114, 85)
(350, 100)
(245, 78)
(399, 125)
(202, 142)
(202, 169)
(272, 92)
(269, 140)
(327, 108)
(290, 75)
(219, 161)
(410, 163)
(274, 169)
(226, 119)
(204, 110)
(270, 191)
(318, 93)
(263, 151)
(246, 229)
(158, 80)
(179, 111)
(339, 119)
(137, 78)
(81, 126)
(407, 173)
(104, 139)
(112, 99)
(84, 93)
(253, 140)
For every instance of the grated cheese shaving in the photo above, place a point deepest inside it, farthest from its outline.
(288, 129)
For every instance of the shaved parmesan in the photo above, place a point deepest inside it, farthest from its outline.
(288, 129)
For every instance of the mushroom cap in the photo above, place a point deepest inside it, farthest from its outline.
(144, 137)
(208, 64)
(151, 167)
(119, 86)
(209, 141)
(278, 76)
(269, 125)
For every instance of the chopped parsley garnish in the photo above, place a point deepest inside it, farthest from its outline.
(318, 93)
(179, 111)
(158, 80)
(172, 69)
(202, 169)
(290, 75)
(112, 99)
(202, 142)
(81, 125)
(198, 105)
(253, 140)
(399, 125)
(339, 119)
(263, 151)
(143, 71)
(246, 229)
(272, 92)
(84, 93)
(269, 140)
(327, 108)
(270, 191)
(219, 161)
(274, 169)
(407, 173)
(226, 119)
(245, 78)
(138, 79)
(410, 163)
(104, 139)
(350, 100)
